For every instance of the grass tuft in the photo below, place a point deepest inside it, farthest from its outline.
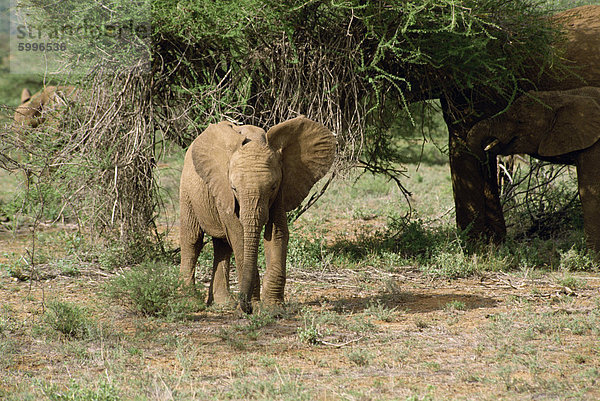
(76, 392)
(69, 320)
(155, 289)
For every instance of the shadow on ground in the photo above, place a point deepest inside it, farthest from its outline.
(410, 302)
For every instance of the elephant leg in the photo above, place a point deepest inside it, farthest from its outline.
(191, 239)
(476, 194)
(218, 291)
(276, 242)
(588, 178)
(256, 291)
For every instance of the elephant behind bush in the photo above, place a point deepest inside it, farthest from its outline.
(556, 126)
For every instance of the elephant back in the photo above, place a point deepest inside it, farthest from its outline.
(580, 49)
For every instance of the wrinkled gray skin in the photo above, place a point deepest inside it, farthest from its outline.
(556, 126)
(476, 193)
(237, 180)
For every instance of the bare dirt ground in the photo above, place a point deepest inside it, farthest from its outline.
(361, 334)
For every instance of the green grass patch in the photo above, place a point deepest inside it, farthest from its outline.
(69, 320)
(155, 289)
(104, 391)
(238, 335)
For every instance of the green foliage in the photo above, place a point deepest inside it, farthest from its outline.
(76, 392)
(455, 306)
(571, 282)
(16, 266)
(380, 311)
(312, 331)
(304, 253)
(98, 152)
(238, 334)
(359, 357)
(112, 34)
(114, 254)
(42, 199)
(415, 240)
(358, 64)
(69, 320)
(155, 289)
(452, 265)
(407, 240)
(576, 259)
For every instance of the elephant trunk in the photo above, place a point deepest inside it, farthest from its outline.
(250, 269)
(252, 218)
(476, 194)
(480, 140)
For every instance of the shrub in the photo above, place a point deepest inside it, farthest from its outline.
(359, 357)
(452, 265)
(304, 253)
(415, 240)
(68, 319)
(154, 289)
(574, 259)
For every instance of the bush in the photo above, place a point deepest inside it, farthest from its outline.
(304, 253)
(154, 289)
(415, 240)
(574, 259)
(68, 319)
(452, 265)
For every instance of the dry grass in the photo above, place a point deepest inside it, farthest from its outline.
(364, 327)
(394, 338)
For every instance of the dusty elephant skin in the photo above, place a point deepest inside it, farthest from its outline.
(37, 108)
(556, 126)
(474, 182)
(237, 180)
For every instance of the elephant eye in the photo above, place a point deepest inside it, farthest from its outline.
(233, 189)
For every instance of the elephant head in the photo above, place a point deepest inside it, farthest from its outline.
(547, 125)
(479, 210)
(557, 126)
(249, 172)
(36, 108)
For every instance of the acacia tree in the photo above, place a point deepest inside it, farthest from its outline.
(351, 64)
(354, 65)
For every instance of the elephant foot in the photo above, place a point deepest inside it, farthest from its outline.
(224, 300)
(273, 308)
(245, 306)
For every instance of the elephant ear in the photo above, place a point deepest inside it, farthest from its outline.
(25, 95)
(307, 151)
(576, 126)
(211, 153)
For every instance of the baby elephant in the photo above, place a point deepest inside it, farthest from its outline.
(37, 108)
(237, 180)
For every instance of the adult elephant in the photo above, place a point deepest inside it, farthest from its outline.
(476, 194)
(556, 126)
(237, 180)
